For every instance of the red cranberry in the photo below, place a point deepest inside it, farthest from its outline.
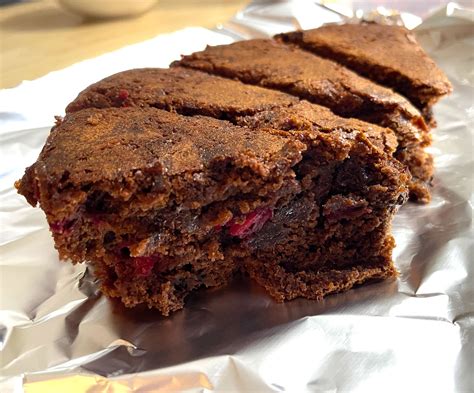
(61, 227)
(254, 221)
(123, 94)
(144, 265)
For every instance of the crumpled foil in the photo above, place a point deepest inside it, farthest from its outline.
(414, 334)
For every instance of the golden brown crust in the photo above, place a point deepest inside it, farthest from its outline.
(191, 92)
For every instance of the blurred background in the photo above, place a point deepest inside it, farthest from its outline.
(40, 36)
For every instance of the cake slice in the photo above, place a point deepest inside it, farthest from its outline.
(161, 204)
(389, 55)
(188, 92)
(152, 198)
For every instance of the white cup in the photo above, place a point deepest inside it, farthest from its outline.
(107, 8)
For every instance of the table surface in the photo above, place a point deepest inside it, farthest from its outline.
(38, 37)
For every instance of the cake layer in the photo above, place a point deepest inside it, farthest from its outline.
(363, 47)
(189, 92)
(286, 284)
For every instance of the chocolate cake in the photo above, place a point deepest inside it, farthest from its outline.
(257, 158)
(162, 204)
(363, 47)
(188, 92)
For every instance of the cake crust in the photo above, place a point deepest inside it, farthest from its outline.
(363, 48)
(186, 91)
(191, 92)
(116, 147)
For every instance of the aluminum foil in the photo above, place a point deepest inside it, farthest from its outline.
(57, 332)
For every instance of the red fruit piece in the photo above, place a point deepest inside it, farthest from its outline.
(123, 94)
(254, 221)
(61, 227)
(144, 265)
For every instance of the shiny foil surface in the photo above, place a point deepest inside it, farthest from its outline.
(413, 334)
